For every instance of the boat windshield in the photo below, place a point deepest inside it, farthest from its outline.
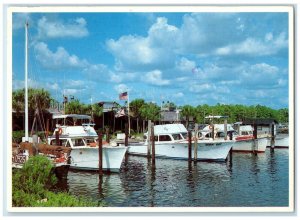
(90, 140)
(62, 142)
(177, 137)
(78, 142)
(184, 135)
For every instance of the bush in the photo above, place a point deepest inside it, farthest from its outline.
(31, 183)
(17, 136)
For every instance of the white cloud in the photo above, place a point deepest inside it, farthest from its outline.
(19, 20)
(57, 29)
(185, 65)
(178, 95)
(121, 88)
(256, 47)
(155, 78)
(121, 77)
(59, 59)
(145, 53)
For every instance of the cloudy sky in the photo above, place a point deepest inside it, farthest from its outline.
(186, 58)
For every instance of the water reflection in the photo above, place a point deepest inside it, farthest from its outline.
(247, 180)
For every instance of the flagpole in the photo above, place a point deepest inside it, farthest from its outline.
(128, 114)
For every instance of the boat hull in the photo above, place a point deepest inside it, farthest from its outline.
(250, 145)
(207, 151)
(87, 158)
(280, 142)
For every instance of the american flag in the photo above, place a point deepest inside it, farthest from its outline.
(120, 113)
(123, 96)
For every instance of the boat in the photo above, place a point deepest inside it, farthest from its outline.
(171, 142)
(77, 133)
(281, 141)
(244, 140)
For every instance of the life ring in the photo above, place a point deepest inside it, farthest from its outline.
(59, 131)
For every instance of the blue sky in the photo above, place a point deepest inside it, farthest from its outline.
(186, 58)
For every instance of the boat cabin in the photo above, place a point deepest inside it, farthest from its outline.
(169, 133)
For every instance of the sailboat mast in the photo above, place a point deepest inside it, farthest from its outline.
(26, 82)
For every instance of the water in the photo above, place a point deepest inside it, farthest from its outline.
(249, 181)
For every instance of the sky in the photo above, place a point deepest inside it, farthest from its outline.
(185, 58)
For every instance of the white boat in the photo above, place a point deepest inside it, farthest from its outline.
(281, 141)
(76, 132)
(171, 142)
(243, 141)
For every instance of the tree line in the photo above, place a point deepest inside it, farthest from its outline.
(141, 110)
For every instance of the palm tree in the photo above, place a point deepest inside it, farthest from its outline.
(149, 112)
(135, 107)
(188, 111)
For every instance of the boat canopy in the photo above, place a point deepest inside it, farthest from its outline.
(215, 116)
(169, 129)
(74, 116)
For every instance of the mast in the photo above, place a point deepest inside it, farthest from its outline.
(26, 82)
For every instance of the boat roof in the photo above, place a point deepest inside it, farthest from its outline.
(215, 116)
(169, 129)
(72, 116)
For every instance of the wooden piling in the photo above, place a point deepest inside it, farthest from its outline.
(126, 134)
(190, 146)
(107, 135)
(255, 142)
(272, 136)
(153, 144)
(213, 131)
(57, 138)
(225, 129)
(149, 139)
(196, 144)
(100, 153)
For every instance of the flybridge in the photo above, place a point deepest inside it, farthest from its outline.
(215, 116)
(74, 116)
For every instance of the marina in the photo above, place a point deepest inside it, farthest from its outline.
(250, 181)
(173, 121)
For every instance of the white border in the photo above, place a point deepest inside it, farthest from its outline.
(161, 8)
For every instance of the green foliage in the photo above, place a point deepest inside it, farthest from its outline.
(17, 136)
(150, 111)
(76, 107)
(36, 98)
(30, 184)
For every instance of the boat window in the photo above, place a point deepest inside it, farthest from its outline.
(62, 142)
(88, 141)
(244, 133)
(220, 134)
(208, 135)
(184, 135)
(77, 142)
(164, 138)
(176, 136)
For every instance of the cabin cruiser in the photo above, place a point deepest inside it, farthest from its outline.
(77, 133)
(171, 142)
(243, 138)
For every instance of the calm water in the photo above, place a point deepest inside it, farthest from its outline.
(249, 181)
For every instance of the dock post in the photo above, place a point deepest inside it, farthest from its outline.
(255, 142)
(190, 146)
(100, 153)
(126, 134)
(196, 144)
(149, 139)
(57, 138)
(213, 131)
(107, 135)
(225, 129)
(153, 144)
(272, 136)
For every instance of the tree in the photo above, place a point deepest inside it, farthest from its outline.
(188, 111)
(135, 107)
(36, 98)
(150, 111)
